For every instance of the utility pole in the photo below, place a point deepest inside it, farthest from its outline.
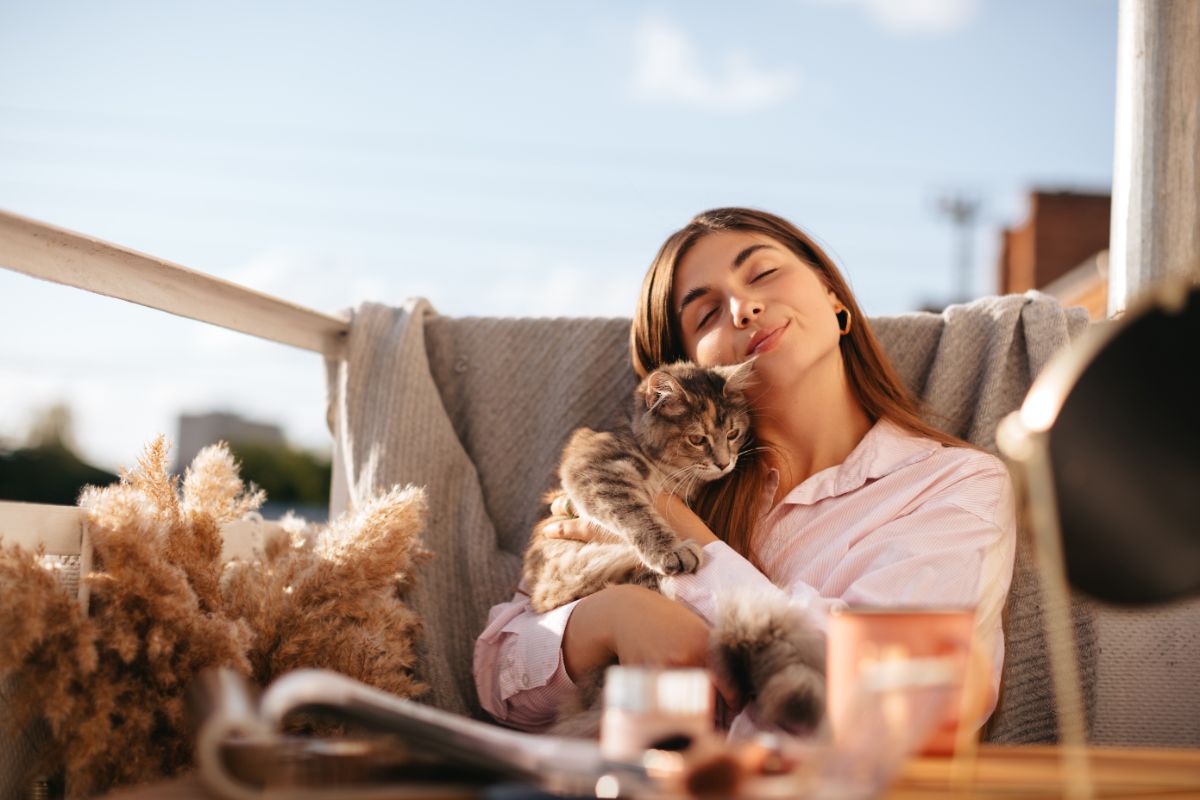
(962, 209)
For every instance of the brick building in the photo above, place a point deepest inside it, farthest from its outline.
(1061, 248)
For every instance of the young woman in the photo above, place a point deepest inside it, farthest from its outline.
(849, 498)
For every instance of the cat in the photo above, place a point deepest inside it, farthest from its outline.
(687, 426)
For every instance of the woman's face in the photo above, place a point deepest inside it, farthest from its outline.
(739, 294)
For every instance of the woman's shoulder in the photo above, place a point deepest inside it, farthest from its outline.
(968, 460)
(950, 461)
(973, 480)
(966, 477)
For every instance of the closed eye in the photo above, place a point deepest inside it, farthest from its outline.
(763, 274)
(706, 318)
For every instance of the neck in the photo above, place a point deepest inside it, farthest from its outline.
(810, 425)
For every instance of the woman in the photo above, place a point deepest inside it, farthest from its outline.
(849, 498)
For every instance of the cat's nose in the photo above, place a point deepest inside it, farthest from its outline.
(720, 466)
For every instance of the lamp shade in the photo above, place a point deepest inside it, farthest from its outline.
(1124, 451)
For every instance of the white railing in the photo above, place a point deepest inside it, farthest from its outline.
(74, 259)
(60, 531)
(62, 256)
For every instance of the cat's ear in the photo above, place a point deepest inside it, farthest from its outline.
(738, 377)
(661, 388)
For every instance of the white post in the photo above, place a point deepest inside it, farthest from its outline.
(1156, 161)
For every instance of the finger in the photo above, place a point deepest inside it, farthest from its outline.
(575, 529)
(561, 507)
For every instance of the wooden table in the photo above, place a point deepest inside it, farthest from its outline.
(998, 773)
(1037, 772)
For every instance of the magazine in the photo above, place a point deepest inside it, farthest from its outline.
(394, 745)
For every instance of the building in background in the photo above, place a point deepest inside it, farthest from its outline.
(197, 431)
(1060, 249)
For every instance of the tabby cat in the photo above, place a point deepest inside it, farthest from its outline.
(686, 427)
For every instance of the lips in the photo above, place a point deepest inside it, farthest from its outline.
(762, 340)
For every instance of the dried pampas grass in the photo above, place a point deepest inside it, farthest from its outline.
(331, 599)
(111, 684)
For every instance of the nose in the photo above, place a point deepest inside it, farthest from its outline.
(720, 454)
(745, 310)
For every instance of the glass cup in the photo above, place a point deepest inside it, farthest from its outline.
(646, 707)
(903, 672)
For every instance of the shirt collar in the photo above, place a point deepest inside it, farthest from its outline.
(886, 448)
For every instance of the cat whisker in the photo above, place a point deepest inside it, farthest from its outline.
(684, 475)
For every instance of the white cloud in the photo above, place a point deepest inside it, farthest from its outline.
(668, 68)
(918, 16)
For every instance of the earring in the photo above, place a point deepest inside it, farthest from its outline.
(844, 320)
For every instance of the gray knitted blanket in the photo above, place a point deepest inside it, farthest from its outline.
(477, 410)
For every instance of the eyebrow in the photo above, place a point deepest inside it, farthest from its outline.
(746, 253)
(700, 291)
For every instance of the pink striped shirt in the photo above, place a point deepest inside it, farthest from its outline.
(903, 521)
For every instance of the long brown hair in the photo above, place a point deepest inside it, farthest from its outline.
(731, 507)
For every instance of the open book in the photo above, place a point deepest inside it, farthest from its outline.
(397, 747)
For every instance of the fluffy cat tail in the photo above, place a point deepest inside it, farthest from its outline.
(771, 654)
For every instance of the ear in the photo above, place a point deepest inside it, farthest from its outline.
(738, 377)
(659, 388)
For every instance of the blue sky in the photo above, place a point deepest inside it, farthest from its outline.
(499, 158)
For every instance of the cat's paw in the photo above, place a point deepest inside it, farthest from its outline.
(683, 558)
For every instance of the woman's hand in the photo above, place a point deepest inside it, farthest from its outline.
(567, 525)
(634, 626)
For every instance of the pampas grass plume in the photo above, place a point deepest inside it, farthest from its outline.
(163, 607)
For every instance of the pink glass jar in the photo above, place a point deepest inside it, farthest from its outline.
(903, 671)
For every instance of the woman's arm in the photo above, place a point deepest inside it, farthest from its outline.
(520, 677)
(526, 664)
(632, 625)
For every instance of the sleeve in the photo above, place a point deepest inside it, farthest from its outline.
(520, 676)
(722, 569)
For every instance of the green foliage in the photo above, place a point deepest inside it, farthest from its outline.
(286, 474)
(47, 473)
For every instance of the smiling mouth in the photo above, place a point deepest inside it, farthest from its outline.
(767, 342)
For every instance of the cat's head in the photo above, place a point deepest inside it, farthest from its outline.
(694, 420)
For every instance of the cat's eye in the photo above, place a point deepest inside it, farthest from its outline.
(734, 434)
(696, 440)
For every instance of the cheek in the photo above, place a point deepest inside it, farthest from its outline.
(712, 351)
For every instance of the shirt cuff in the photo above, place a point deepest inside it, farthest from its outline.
(532, 654)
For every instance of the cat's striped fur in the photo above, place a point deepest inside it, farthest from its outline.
(686, 427)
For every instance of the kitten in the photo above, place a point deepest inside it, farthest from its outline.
(687, 426)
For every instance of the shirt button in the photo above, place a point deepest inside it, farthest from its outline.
(525, 681)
